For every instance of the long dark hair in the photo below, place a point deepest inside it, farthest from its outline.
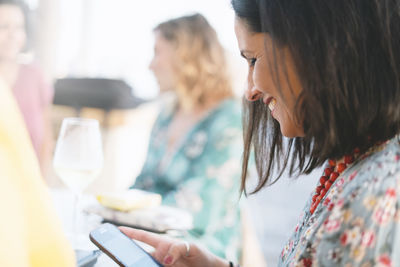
(347, 57)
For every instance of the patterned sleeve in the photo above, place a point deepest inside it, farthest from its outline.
(364, 227)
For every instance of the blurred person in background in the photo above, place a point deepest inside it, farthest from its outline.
(33, 95)
(195, 149)
(30, 232)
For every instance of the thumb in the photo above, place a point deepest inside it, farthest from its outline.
(176, 252)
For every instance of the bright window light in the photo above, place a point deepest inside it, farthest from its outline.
(113, 38)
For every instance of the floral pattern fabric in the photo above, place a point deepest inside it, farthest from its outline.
(358, 221)
(202, 176)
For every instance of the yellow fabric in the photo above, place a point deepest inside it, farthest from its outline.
(30, 232)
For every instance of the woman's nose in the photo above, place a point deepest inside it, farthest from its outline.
(253, 94)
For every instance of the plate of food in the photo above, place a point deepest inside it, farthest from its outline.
(140, 209)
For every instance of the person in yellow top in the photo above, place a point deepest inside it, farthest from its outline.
(30, 232)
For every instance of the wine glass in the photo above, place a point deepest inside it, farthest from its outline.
(78, 159)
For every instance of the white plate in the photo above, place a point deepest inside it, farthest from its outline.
(158, 219)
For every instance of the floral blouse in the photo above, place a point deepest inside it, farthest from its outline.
(202, 176)
(357, 223)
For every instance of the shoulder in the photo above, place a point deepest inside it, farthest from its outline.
(380, 167)
(371, 179)
(360, 211)
(368, 210)
(229, 106)
(228, 112)
(30, 75)
(224, 121)
(369, 193)
(31, 69)
(167, 104)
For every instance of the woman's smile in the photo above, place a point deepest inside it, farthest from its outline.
(279, 88)
(270, 102)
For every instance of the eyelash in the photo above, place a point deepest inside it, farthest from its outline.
(252, 62)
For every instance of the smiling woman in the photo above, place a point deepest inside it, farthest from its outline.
(327, 75)
(324, 82)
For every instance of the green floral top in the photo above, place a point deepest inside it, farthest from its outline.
(357, 223)
(202, 176)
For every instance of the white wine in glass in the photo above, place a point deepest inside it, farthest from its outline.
(78, 157)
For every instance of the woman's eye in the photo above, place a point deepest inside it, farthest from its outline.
(252, 61)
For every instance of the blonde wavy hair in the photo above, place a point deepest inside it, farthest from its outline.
(200, 63)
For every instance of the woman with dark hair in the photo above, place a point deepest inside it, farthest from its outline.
(326, 74)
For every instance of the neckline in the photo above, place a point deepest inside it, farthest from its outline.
(166, 160)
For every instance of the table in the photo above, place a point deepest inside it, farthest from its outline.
(64, 203)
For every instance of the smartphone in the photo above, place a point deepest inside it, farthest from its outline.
(121, 248)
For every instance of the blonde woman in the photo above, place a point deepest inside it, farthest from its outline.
(195, 149)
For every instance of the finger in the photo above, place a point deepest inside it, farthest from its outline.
(143, 236)
(175, 252)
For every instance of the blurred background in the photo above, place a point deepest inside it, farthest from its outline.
(114, 40)
(96, 53)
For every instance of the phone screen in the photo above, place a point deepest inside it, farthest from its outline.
(120, 247)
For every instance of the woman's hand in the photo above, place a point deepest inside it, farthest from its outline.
(172, 252)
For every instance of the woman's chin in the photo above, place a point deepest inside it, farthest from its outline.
(288, 134)
(290, 131)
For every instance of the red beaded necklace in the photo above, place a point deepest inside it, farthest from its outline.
(331, 173)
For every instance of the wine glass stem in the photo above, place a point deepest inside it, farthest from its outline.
(75, 218)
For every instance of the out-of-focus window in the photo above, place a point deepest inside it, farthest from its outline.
(32, 3)
(113, 38)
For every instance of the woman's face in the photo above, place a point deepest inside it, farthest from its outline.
(12, 31)
(256, 48)
(162, 62)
